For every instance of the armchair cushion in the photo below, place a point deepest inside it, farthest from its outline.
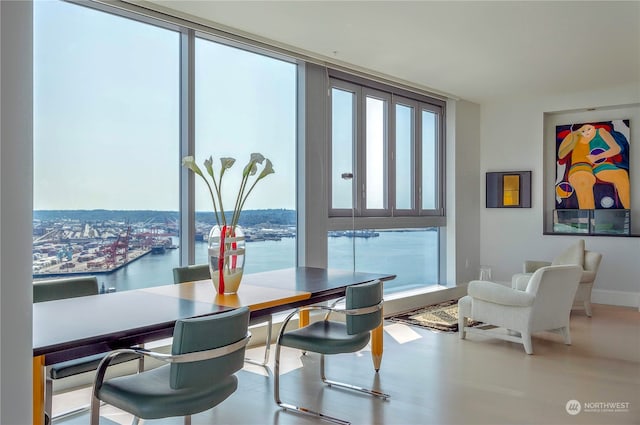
(531, 266)
(588, 276)
(520, 281)
(499, 294)
(574, 254)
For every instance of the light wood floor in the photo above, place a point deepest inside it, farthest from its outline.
(436, 378)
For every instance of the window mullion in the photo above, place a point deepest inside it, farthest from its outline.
(187, 147)
(391, 157)
(417, 116)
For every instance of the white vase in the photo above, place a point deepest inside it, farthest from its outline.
(226, 258)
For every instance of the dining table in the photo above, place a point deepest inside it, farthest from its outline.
(73, 328)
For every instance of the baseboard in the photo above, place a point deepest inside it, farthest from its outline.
(619, 298)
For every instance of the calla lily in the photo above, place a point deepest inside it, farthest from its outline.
(208, 164)
(251, 167)
(226, 163)
(190, 163)
(257, 157)
(268, 169)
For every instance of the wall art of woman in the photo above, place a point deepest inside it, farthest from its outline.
(593, 165)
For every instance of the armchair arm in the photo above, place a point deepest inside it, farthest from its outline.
(531, 266)
(499, 294)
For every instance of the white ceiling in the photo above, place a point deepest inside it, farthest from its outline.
(480, 51)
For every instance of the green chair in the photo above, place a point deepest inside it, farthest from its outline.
(363, 313)
(199, 374)
(56, 289)
(200, 272)
(191, 273)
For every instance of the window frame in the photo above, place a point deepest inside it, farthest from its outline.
(439, 155)
(390, 216)
(356, 105)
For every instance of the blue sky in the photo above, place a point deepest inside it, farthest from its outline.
(106, 113)
(107, 119)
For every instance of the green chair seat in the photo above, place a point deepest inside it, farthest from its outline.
(325, 337)
(149, 395)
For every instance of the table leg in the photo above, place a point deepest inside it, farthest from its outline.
(38, 390)
(303, 320)
(376, 346)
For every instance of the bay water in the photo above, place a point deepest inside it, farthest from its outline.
(411, 255)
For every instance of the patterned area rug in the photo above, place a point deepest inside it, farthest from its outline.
(441, 317)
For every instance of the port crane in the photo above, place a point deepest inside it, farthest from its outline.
(118, 251)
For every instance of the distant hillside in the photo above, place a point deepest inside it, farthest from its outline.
(247, 218)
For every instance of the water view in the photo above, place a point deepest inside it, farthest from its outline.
(411, 255)
(138, 249)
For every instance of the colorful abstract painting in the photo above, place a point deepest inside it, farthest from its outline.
(592, 165)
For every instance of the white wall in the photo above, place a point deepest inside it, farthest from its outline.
(463, 198)
(15, 213)
(512, 134)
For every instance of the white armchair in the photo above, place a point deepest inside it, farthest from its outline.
(544, 305)
(575, 254)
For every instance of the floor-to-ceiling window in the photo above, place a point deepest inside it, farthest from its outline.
(246, 102)
(109, 135)
(106, 133)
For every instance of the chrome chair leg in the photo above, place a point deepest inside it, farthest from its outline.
(48, 397)
(267, 348)
(276, 377)
(291, 407)
(330, 383)
(95, 410)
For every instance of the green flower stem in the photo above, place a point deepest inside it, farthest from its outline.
(238, 205)
(208, 164)
(247, 195)
(213, 200)
(219, 191)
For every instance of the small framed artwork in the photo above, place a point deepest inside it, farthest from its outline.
(509, 189)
